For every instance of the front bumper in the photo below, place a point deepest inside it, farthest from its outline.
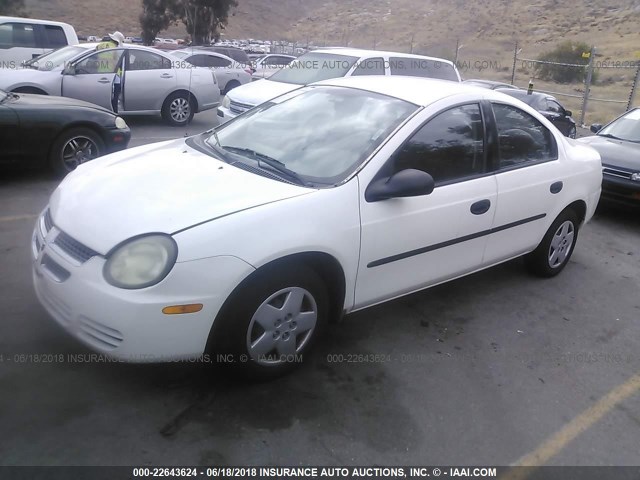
(620, 190)
(116, 139)
(129, 325)
(225, 114)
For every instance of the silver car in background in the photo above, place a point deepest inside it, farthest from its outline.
(230, 73)
(152, 81)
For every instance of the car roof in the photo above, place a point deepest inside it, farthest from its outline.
(33, 20)
(358, 52)
(200, 51)
(417, 90)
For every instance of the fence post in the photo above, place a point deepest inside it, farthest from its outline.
(515, 59)
(633, 88)
(587, 85)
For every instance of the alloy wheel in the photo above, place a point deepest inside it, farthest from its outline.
(561, 244)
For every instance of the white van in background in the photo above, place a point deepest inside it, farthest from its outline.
(24, 38)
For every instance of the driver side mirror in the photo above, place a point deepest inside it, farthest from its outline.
(405, 183)
(69, 70)
(596, 127)
(568, 113)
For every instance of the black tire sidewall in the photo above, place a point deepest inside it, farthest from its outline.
(55, 155)
(230, 86)
(166, 109)
(229, 333)
(537, 261)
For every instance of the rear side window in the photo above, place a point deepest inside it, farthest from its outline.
(422, 67)
(369, 66)
(54, 36)
(522, 139)
(449, 147)
(143, 60)
(17, 35)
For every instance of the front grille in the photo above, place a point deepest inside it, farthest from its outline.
(48, 221)
(616, 172)
(99, 335)
(74, 248)
(238, 108)
(60, 273)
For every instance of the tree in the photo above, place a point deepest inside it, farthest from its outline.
(12, 7)
(566, 52)
(203, 19)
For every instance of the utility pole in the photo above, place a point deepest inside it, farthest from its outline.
(587, 85)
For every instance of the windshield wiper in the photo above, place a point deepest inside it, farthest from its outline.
(608, 135)
(276, 165)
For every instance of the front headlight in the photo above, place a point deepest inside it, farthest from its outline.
(635, 177)
(141, 262)
(226, 101)
(120, 123)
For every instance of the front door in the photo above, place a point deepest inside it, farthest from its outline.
(92, 78)
(411, 243)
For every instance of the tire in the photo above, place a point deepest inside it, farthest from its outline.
(554, 252)
(230, 86)
(178, 109)
(572, 132)
(32, 90)
(73, 147)
(272, 322)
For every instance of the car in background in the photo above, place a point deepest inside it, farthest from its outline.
(378, 186)
(22, 39)
(333, 63)
(229, 73)
(92, 39)
(549, 106)
(618, 143)
(237, 54)
(267, 65)
(151, 81)
(57, 132)
(490, 84)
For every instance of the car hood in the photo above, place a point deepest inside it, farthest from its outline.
(32, 100)
(617, 153)
(260, 91)
(162, 188)
(10, 77)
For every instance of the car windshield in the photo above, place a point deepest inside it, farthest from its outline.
(321, 134)
(314, 67)
(626, 127)
(55, 59)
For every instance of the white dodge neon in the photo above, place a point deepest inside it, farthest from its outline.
(247, 239)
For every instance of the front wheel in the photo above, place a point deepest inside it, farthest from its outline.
(178, 109)
(555, 250)
(273, 321)
(74, 147)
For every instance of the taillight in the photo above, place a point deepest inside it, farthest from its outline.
(250, 71)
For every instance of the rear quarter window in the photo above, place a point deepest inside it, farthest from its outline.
(422, 67)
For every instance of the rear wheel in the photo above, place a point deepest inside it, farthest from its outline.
(230, 86)
(273, 321)
(555, 250)
(33, 90)
(74, 147)
(178, 109)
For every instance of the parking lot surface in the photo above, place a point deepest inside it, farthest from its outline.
(490, 369)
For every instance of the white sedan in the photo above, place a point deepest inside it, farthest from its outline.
(246, 240)
(151, 81)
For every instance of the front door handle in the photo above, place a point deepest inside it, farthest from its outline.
(104, 80)
(481, 207)
(166, 75)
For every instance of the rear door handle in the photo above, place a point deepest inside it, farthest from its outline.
(104, 80)
(556, 187)
(166, 75)
(481, 207)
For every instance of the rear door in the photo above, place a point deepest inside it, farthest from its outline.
(92, 78)
(148, 80)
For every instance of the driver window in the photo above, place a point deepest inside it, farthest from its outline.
(104, 62)
(449, 147)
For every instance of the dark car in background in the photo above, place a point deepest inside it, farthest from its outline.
(618, 143)
(547, 105)
(57, 132)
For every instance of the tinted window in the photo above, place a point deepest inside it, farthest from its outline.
(521, 138)
(370, 66)
(17, 35)
(449, 147)
(142, 60)
(422, 67)
(55, 37)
